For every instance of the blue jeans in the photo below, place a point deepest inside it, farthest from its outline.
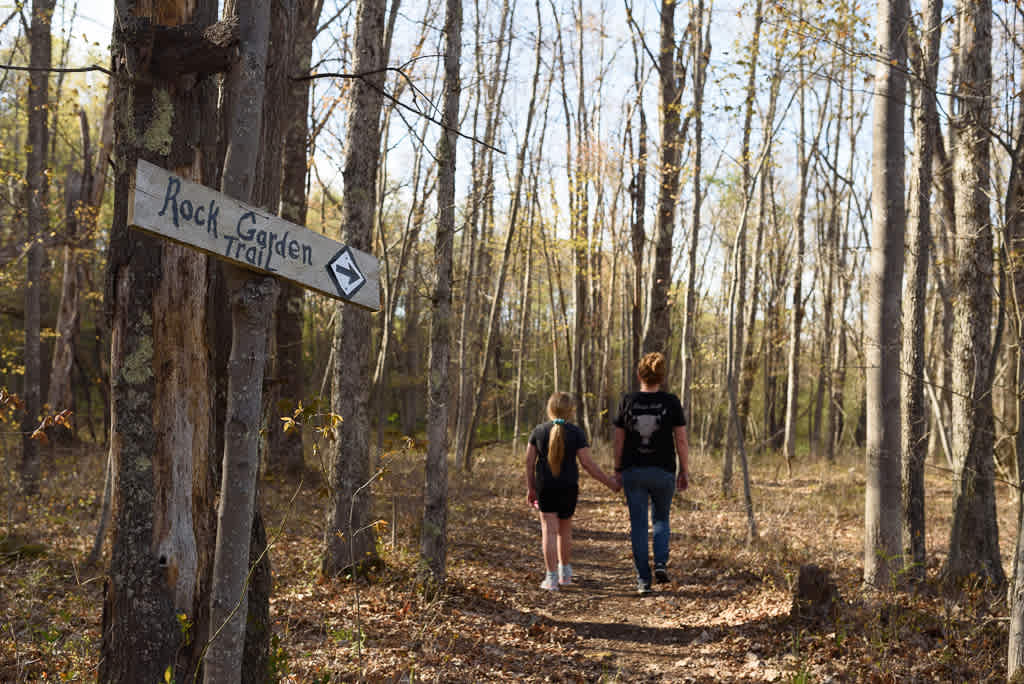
(657, 485)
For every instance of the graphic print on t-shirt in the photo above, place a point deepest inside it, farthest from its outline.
(646, 421)
(646, 426)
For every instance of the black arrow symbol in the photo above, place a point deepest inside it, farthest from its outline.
(352, 274)
(344, 264)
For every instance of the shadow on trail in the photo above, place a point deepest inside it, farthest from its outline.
(626, 632)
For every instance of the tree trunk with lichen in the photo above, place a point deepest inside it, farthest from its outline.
(162, 438)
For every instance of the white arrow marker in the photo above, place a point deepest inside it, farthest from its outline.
(345, 273)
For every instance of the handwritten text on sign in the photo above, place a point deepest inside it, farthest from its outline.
(169, 206)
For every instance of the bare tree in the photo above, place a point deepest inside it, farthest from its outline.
(37, 224)
(671, 75)
(913, 407)
(499, 286)
(1015, 235)
(282, 189)
(974, 536)
(702, 48)
(479, 228)
(638, 232)
(797, 315)
(734, 363)
(351, 505)
(252, 300)
(433, 543)
(882, 542)
(78, 219)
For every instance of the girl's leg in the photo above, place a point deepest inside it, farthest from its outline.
(564, 541)
(549, 540)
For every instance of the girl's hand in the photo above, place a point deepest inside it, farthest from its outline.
(682, 481)
(531, 497)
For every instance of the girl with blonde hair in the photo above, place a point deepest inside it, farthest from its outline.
(552, 482)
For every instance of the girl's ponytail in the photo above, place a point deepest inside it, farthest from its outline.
(556, 447)
(560, 407)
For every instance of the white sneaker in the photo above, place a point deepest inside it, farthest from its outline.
(549, 584)
(565, 577)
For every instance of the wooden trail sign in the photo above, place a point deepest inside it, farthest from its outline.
(195, 215)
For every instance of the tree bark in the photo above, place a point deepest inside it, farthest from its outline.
(974, 536)
(433, 541)
(161, 428)
(77, 217)
(658, 327)
(286, 449)
(882, 534)
(252, 300)
(913, 404)
(349, 455)
(277, 108)
(797, 315)
(702, 57)
(1015, 237)
(37, 227)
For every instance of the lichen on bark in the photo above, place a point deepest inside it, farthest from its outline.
(157, 137)
(138, 365)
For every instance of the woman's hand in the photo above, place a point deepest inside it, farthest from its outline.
(682, 481)
(531, 496)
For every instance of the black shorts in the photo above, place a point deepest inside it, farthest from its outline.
(560, 500)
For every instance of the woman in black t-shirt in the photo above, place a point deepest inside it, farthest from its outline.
(552, 481)
(650, 435)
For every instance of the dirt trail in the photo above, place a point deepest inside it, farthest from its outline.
(723, 617)
(710, 622)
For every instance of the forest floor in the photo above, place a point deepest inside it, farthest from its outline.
(723, 617)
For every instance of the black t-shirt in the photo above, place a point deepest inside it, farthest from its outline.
(574, 440)
(649, 419)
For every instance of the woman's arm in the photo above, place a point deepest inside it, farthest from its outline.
(595, 470)
(531, 483)
(683, 453)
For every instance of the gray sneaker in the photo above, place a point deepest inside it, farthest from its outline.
(660, 574)
(643, 587)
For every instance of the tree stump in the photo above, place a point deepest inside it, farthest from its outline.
(815, 595)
